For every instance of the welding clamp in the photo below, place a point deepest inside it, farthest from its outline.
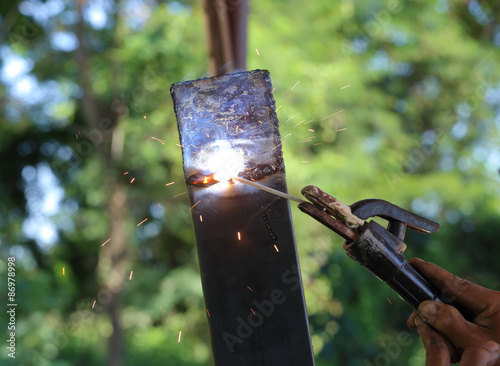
(378, 249)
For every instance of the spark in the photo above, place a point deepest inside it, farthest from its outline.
(256, 50)
(305, 161)
(299, 123)
(207, 134)
(179, 338)
(341, 129)
(76, 136)
(248, 287)
(334, 114)
(63, 271)
(131, 273)
(260, 122)
(275, 247)
(288, 119)
(144, 117)
(158, 204)
(180, 194)
(309, 139)
(142, 222)
(161, 308)
(125, 173)
(93, 304)
(193, 206)
(277, 109)
(184, 147)
(389, 301)
(132, 181)
(319, 143)
(208, 313)
(281, 143)
(239, 235)
(310, 130)
(272, 91)
(348, 85)
(201, 218)
(157, 139)
(293, 87)
(169, 184)
(252, 310)
(284, 138)
(309, 121)
(106, 242)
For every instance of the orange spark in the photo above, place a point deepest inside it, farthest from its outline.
(293, 87)
(252, 310)
(310, 130)
(239, 235)
(158, 204)
(157, 139)
(331, 115)
(208, 313)
(132, 181)
(63, 271)
(389, 301)
(169, 184)
(201, 218)
(146, 219)
(131, 273)
(125, 173)
(194, 205)
(93, 304)
(275, 247)
(184, 147)
(180, 194)
(248, 287)
(106, 242)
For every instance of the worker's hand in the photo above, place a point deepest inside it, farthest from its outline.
(476, 339)
(437, 353)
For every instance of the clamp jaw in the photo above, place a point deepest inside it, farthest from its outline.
(378, 249)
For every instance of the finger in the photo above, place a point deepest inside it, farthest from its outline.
(454, 352)
(453, 288)
(449, 322)
(485, 355)
(411, 320)
(436, 353)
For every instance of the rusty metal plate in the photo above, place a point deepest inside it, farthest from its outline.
(246, 248)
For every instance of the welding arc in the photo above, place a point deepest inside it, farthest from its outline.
(267, 189)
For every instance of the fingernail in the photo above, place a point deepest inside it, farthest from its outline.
(427, 310)
(418, 321)
(492, 346)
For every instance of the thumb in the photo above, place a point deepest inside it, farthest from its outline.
(449, 322)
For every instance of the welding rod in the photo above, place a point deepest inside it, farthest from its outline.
(267, 189)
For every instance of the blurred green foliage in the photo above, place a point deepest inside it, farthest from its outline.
(393, 99)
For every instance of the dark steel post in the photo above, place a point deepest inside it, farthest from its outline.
(248, 259)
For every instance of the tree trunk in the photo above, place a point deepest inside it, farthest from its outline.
(113, 261)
